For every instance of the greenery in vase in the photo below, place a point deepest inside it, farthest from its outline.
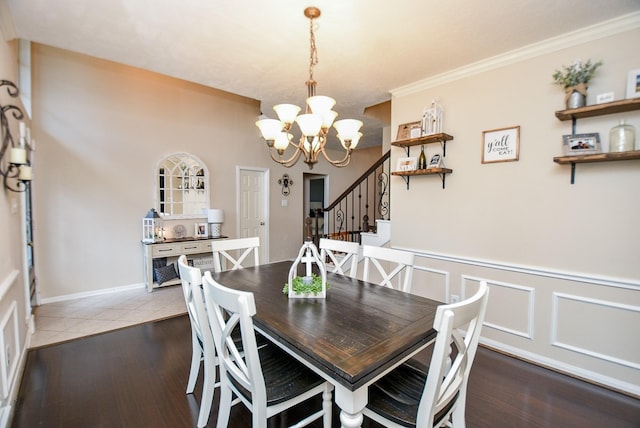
(299, 287)
(576, 73)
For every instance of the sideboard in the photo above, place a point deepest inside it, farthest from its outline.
(167, 252)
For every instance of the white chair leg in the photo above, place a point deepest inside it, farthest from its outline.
(208, 389)
(196, 357)
(224, 411)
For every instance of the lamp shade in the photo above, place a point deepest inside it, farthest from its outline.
(269, 128)
(215, 216)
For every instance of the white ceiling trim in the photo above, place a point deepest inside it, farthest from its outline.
(594, 32)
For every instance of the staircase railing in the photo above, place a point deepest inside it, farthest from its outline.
(358, 207)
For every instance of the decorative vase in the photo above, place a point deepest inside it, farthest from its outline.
(622, 138)
(576, 100)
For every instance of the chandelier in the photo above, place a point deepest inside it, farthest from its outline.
(314, 124)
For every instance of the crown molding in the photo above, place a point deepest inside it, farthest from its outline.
(601, 30)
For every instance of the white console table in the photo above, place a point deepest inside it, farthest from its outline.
(172, 249)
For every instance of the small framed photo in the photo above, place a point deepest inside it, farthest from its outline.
(409, 130)
(581, 144)
(501, 145)
(633, 84)
(407, 164)
(435, 162)
(202, 230)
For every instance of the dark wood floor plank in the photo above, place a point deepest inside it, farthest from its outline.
(136, 377)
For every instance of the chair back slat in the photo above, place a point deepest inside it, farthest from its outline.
(401, 264)
(341, 254)
(235, 252)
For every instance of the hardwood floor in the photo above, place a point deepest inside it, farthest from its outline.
(136, 377)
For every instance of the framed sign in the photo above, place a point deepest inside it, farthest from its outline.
(501, 145)
(408, 130)
(633, 84)
(407, 164)
(581, 144)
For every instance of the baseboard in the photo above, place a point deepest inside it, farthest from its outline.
(563, 368)
(91, 293)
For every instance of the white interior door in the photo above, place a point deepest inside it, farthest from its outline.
(253, 207)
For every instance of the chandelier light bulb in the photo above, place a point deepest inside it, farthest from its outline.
(348, 128)
(282, 141)
(350, 144)
(327, 119)
(269, 128)
(287, 113)
(320, 104)
(309, 124)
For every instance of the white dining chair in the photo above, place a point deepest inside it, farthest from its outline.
(409, 397)
(400, 264)
(342, 254)
(267, 380)
(237, 252)
(202, 343)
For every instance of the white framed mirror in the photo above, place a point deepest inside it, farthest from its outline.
(182, 186)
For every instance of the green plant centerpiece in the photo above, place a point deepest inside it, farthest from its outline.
(575, 78)
(306, 285)
(310, 285)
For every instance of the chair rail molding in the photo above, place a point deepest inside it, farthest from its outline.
(529, 270)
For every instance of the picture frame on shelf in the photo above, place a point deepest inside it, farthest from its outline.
(201, 230)
(409, 130)
(633, 84)
(407, 164)
(435, 162)
(581, 144)
(501, 145)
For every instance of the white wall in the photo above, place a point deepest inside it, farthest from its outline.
(14, 315)
(101, 128)
(562, 260)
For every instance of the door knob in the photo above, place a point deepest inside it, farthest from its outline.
(262, 223)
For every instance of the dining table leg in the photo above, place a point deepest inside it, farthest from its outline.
(351, 404)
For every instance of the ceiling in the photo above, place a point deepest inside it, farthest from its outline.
(260, 49)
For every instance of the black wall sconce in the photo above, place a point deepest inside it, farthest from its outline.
(15, 167)
(285, 182)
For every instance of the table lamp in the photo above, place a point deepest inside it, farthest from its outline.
(215, 218)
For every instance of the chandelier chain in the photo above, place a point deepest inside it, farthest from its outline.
(313, 52)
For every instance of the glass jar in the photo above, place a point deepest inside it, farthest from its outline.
(622, 138)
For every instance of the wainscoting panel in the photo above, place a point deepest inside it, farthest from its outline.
(9, 348)
(431, 283)
(577, 320)
(510, 308)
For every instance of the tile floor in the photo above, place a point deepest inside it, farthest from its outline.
(61, 321)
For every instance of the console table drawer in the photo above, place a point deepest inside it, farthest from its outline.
(193, 247)
(164, 250)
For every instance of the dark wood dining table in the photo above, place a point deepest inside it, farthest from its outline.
(352, 338)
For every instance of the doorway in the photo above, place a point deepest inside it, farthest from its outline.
(316, 196)
(252, 206)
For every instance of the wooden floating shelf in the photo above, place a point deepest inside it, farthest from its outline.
(429, 171)
(613, 107)
(427, 139)
(598, 157)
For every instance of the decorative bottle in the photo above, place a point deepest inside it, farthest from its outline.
(622, 138)
(422, 160)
